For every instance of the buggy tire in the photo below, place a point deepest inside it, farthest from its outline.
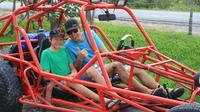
(10, 89)
(195, 107)
(130, 109)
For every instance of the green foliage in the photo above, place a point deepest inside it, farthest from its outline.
(178, 46)
(7, 37)
(174, 5)
(163, 4)
(71, 10)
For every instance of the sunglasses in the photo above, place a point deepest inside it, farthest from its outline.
(72, 31)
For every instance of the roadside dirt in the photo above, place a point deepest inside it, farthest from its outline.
(4, 12)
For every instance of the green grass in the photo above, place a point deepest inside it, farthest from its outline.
(185, 8)
(177, 46)
(159, 5)
(178, 7)
(10, 37)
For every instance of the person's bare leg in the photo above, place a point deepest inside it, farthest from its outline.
(93, 73)
(145, 78)
(117, 68)
(83, 90)
(87, 92)
(49, 89)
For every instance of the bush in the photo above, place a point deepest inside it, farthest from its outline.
(141, 4)
(174, 5)
(163, 4)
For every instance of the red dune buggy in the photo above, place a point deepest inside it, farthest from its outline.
(22, 80)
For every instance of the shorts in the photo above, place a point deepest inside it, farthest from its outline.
(60, 81)
(126, 67)
(83, 77)
(87, 78)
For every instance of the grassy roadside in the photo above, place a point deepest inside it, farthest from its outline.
(177, 7)
(175, 45)
(178, 46)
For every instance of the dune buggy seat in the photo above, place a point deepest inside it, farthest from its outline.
(43, 43)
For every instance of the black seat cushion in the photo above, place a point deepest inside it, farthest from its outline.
(43, 43)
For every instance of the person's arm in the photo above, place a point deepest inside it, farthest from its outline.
(100, 45)
(103, 49)
(49, 89)
(82, 54)
(73, 70)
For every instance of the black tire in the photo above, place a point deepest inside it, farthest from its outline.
(10, 89)
(130, 109)
(195, 107)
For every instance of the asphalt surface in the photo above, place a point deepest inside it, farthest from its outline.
(8, 5)
(152, 16)
(149, 16)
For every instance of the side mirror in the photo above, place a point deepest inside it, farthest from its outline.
(106, 17)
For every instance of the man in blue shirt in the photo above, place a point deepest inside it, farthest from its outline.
(81, 54)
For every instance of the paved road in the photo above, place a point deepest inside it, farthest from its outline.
(165, 17)
(8, 5)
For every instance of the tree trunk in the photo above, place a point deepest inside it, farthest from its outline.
(21, 1)
(191, 18)
(90, 17)
(53, 19)
(12, 26)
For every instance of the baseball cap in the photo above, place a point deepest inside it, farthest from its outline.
(57, 32)
(71, 24)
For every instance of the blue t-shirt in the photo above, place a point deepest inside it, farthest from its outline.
(72, 47)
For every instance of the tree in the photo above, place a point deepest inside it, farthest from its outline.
(11, 25)
(90, 16)
(191, 17)
(2, 1)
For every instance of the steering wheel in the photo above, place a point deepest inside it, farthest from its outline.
(121, 45)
